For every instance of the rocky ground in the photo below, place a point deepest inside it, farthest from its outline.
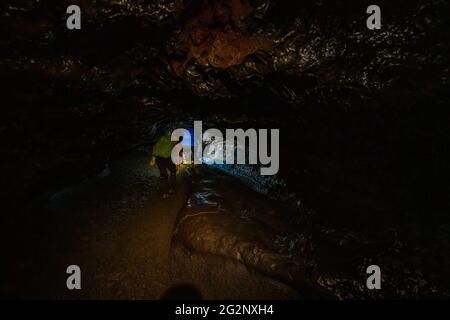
(118, 229)
(216, 237)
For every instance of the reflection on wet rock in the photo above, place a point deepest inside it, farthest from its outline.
(224, 217)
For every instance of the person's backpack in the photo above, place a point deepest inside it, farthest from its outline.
(163, 148)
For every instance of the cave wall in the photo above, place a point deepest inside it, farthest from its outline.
(363, 113)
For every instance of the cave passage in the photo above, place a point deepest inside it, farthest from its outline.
(362, 178)
(119, 230)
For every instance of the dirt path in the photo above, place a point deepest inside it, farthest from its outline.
(118, 230)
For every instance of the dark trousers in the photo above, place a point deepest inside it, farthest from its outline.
(166, 167)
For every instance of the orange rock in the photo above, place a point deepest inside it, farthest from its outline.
(213, 36)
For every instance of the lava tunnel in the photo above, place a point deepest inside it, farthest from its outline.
(225, 149)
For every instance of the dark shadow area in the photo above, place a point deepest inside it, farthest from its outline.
(182, 292)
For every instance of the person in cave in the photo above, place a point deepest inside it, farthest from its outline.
(161, 157)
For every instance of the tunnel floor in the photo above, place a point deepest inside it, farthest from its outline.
(118, 229)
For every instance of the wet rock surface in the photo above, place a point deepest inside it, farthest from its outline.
(363, 117)
(76, 99)
(219, 243)
(224, 217)
(219, 218)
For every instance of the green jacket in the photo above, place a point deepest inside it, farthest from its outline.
(163, 148)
